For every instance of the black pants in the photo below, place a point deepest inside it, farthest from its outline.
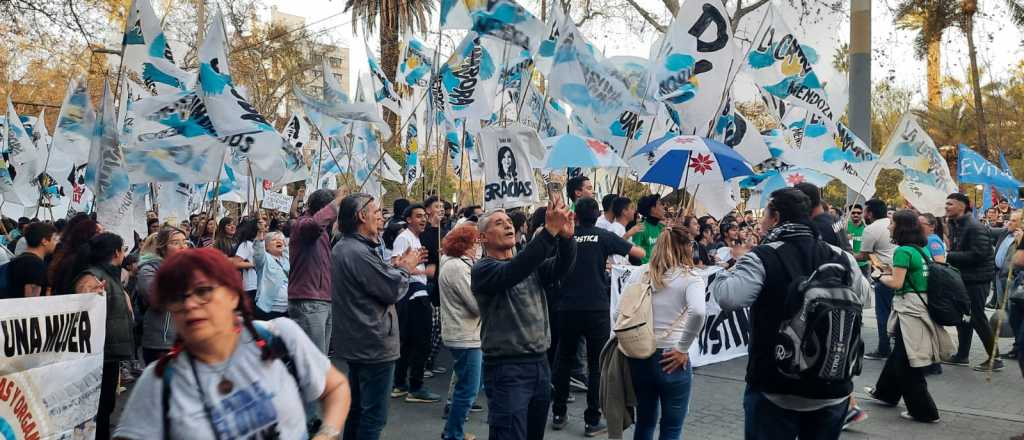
(900, 380)
(977, 292)
(267, 316)
(108, 398)
(414, 321)
(518, 397)
(594, 326)
(579, 370)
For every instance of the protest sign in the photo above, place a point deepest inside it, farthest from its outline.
(51, 365)
(508, 170)
(277, 201)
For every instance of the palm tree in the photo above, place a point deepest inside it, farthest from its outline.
(967, 9)
(396, 17)
(930, 18)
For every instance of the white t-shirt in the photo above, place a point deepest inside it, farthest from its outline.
(617, 229)
(877, 240)
(603, 223)
(245, 251)
(408, 240)
(265, 401)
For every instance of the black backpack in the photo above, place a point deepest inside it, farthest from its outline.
(948, 303)
(820, 337)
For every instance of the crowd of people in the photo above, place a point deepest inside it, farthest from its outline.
(237, 320)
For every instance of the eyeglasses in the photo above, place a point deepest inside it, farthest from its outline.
(201, 294)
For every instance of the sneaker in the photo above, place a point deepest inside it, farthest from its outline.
(872, 393)
(427, 374)
(595, 430)
(397, 392)
(422, 395)
(439, 370)
(854, 415)
(558, 422)
(476, 408)
(876, 356)
(577, 384)
(958, 361)
(906, 415)
(933, 370)
(993, 365)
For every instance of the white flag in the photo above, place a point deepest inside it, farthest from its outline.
(926, 179)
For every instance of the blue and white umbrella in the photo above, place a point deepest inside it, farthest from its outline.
(762, 185)
(704, 166)
(572, 151)
(688, 160)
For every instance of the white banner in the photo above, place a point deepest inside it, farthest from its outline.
(51, 365)
(277, 201)
(508, 170)
(723, 336)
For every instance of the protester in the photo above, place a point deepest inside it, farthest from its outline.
(607, 217)
(365, 325)
(309, 255)
(98, 270)
(1003, 209)
(777, 406)
(79, 231)
(653, 212)
(394, 226)
(26, 273)
(206, 235)
(992, 218)
(934, 231)
(245, 254)
(970, 251)
(1005, 247)
(460, 325)
(224, 238)
(222, 358)
(578, 187)
(877, 248)
(515, 332)
(824, 223)
(583, 311)
(705, 239)
(663, 381)
(1016, 317)
(430, 238)
(414, 314)
(158, 332)
(920, 342)
(272, 266)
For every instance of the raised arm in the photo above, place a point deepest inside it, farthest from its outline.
(491, 276)
(739, 287)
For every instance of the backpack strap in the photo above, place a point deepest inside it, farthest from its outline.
(278, 347)
(165, 398)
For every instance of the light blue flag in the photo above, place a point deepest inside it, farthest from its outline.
(171, 146)
(148, 59)
(107, 175)
(502, 19)
(383, 90)
(467, 83)
(415, 64)
(973, 168)
(73, 135)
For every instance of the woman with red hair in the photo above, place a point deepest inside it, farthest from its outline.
(245, 378)
(460, 324)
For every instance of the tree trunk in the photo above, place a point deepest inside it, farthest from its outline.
(935, 72)
(970, 7)
(389, 63)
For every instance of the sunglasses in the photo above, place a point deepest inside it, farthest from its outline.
(201, 294)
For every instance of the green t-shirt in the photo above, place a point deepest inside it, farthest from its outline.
(911, 259)
(857, 232)
(647, 237)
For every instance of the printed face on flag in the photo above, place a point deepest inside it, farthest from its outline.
(415, 65)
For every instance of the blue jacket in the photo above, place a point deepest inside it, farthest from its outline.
(272, 276)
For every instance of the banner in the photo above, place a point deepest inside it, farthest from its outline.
(467, 83)
(508, 170)
(724, 336)
(694, 63)
(926, 180)
(783, 67)
(973, 168)
(415, 63)
(51, 365)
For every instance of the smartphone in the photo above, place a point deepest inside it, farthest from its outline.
(553, 188)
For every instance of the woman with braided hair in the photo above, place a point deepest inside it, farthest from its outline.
(229, 376)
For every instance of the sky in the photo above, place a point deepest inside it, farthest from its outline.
(999, 42)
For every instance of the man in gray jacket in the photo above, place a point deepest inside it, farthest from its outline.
(365, 290)
(515, 332)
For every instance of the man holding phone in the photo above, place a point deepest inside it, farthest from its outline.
(876, 247)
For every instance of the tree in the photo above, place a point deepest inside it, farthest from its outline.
(968, 9)
(929, 18)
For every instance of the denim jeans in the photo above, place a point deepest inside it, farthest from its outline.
(654, 389)
(765, 420)
(518, 396)
(468, 363)
(370, 385)
(314, 318)
(883, 307)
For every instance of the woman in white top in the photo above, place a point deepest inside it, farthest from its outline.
(665, 378)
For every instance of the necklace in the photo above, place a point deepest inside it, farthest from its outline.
(225, 386)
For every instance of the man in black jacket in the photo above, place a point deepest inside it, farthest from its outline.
(514, 330)
(970, 251)
(778, 407)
